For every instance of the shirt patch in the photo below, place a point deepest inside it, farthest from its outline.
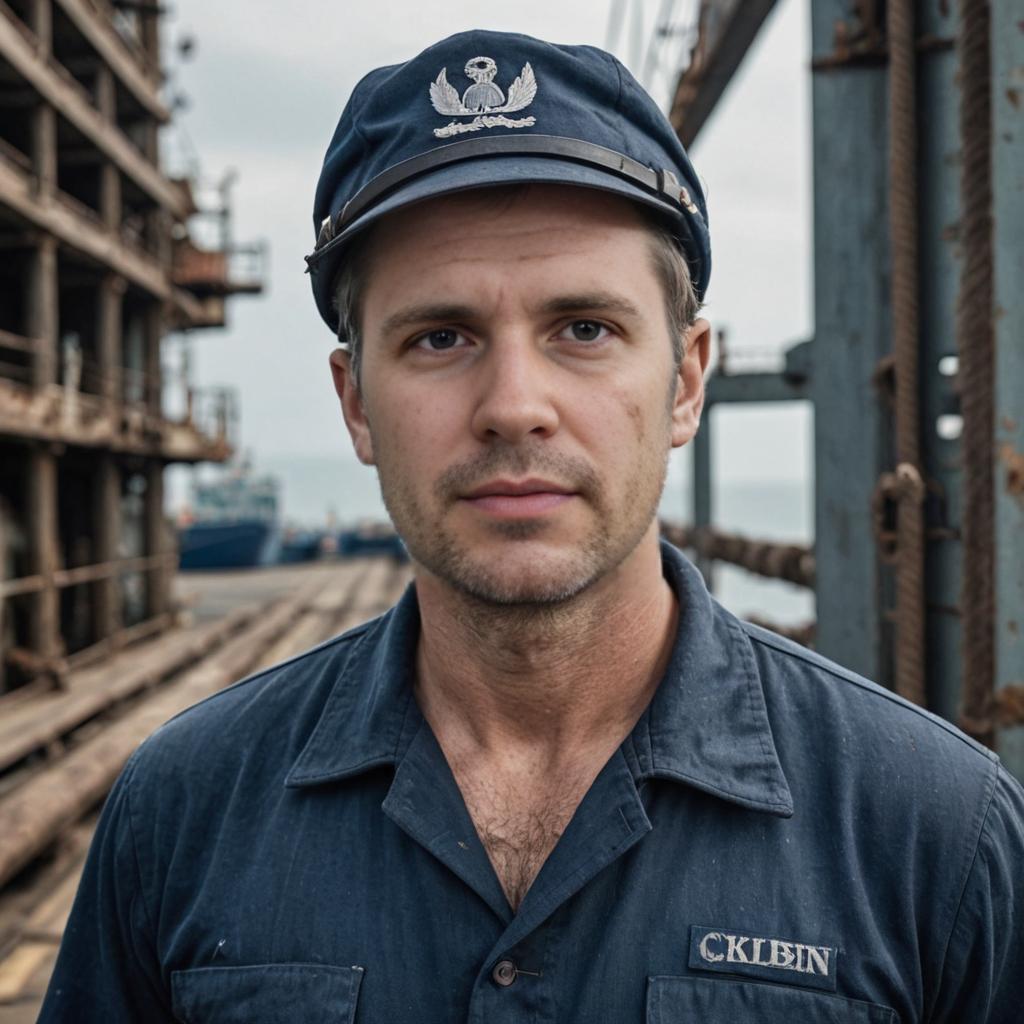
(763, 956)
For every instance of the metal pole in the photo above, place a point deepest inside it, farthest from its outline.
(1008, 273)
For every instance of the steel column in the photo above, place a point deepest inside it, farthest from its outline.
(853, 442)
(1008, 310)
(702, 483)
(938, 180)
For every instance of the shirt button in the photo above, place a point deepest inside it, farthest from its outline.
(504, 973)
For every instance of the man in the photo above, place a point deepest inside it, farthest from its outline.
(557, 782)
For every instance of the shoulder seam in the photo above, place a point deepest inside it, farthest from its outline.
(967, 879)
(129, 776)
(848, 676)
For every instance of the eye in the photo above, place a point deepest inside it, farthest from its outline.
(586, 330)
(441, 340)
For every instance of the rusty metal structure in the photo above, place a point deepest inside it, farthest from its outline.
(97, 266)
(916, 368)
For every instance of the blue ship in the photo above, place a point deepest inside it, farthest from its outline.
(233, 523)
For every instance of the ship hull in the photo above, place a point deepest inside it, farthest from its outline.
(240, 545)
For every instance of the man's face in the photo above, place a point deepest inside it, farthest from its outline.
(517, 391)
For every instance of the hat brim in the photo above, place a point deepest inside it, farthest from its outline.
(478, 174)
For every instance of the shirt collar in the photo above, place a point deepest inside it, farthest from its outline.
(707, 726)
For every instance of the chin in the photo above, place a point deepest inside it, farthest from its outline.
(524, 573)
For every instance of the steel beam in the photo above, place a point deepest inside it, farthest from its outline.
(727, 29)
(754, 387)
(1008, 309)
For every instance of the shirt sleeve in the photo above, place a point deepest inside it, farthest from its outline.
(107, 969)
(983, 976)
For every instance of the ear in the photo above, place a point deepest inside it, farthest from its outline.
(689, 400)
(352, 405)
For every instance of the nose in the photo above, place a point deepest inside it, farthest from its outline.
(516, 398)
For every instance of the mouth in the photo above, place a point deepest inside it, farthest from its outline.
(518, 498)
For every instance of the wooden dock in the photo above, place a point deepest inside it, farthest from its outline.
(60, 750)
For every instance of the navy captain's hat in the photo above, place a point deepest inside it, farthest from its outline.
(492, 108)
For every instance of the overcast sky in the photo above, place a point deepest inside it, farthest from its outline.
(265, 86)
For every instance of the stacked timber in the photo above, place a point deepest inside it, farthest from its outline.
(60, 751)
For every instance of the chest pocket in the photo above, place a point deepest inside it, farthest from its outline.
(266, 994)
(686, 1000)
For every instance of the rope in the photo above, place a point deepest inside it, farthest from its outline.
(794, 563)
(974, 334)
(910, 653)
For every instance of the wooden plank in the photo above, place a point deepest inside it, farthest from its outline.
(18, 969)
(17, 342)
(376, 596)
(48, 920)
(352, 592)
(35, 813)
(317, 624)
(33, 413)
(18, 903)
(32, 725)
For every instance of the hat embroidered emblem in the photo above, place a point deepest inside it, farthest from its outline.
(483, 100)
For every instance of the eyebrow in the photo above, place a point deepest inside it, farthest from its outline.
(430, 312)
(444, 312)
(592, 302)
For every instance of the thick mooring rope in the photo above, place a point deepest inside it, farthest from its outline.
(910, 651)
(975, 342)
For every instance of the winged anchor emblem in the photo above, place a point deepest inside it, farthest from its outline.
(483, 100)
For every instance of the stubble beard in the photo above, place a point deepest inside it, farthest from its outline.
(555, 579)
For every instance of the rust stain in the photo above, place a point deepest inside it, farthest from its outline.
(1013, 95)
(1009, 424)
(1013, 627)
(1009, 708)
(1014, 462)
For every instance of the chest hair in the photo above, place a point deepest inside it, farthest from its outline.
(520, 825)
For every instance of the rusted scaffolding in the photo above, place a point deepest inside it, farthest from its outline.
(96, 267)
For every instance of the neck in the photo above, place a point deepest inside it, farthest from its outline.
(549, 683)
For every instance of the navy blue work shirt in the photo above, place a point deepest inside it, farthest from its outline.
(776, 840)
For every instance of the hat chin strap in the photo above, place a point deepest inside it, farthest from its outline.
(662, 183)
